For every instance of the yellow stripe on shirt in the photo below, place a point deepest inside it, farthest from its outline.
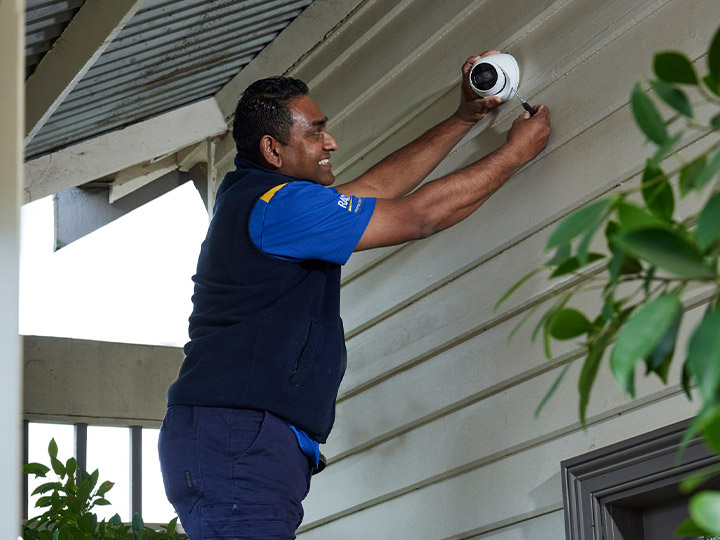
(269, 194)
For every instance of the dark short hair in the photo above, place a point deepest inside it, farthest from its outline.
(262, 110)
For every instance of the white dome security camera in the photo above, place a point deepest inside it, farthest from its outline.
(495, 75)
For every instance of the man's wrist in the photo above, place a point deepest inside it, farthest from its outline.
(512, 155)
(465, 118)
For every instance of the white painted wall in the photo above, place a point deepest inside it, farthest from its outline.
(435, 435)
(12, 61)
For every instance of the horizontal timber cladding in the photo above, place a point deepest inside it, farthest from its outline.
(435, 435)
(455, 430)
(566, 175)
(579, 95)
(463, 306)
(524, 484)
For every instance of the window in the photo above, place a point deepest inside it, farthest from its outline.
(628, 491)
(126, 456)
(39, 436)
(108, 450)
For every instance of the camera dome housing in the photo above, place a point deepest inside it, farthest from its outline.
(495, 75)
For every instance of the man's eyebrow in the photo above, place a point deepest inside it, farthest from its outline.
(320, 122)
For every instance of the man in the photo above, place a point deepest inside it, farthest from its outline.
(256, 393)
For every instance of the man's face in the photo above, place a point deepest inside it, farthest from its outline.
(307, 154)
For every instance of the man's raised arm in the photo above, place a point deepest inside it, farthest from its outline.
(403, 170)
(444, 202)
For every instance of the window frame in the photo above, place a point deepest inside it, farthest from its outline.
(638, 466)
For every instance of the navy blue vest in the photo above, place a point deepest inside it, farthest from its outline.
(264, 333)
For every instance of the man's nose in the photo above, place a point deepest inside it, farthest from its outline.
(329, 143)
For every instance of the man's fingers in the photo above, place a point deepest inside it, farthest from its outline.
(470, 61)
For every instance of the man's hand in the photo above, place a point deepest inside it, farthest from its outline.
(472, 107)
(528, 135)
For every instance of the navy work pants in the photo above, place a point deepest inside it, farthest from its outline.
(233, 473)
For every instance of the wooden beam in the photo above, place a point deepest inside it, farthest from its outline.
(97, 382)
(82, 42)
(107, 154)
(137, 176)
(81, 211)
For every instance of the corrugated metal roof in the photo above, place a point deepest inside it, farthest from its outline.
(45, 20)
(171, 53)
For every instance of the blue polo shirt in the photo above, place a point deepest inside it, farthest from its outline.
(301, 221)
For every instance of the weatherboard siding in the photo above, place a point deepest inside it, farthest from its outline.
(435, 435)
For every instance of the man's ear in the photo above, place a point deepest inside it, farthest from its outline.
(271, 151)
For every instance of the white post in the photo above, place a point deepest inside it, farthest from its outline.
(12, 131)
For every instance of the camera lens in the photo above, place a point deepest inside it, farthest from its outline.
(483, 76)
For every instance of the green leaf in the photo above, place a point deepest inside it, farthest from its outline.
(52, 448)
(83, 491)
(548, 314)
(58, 467)
(584, 244)
(115, 520)
(715, 122)
(674, 67)
(589, 372)
(105, 487)
(657, 192)
(689, 174)
(84, 525)
(709, 171)
(667, 148)
(705, 511)
(634, 218)
(579, 222)
(686, 380)
(704, 354)
(708, 229)
(561, 255)
(551, 390)
(647, 116)
(674, 97)
(666, 250)
(640, 334)
(524, 319)
(44, 488)
(659, 359)
(43, 501)
(38, 469)
(137, 523)
(714, 57)
(515, 287)
(102, 502)
(696, 479)
(690, 528)
(572, 264)
(711, 431)
(94, 479)
(568, 323)
(71, 466)
(171, 525)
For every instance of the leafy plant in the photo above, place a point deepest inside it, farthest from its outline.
(652, 257)
(68, 503)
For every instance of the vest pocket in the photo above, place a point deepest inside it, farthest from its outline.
(303, 360)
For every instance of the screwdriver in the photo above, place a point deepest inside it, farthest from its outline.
(525, 104)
